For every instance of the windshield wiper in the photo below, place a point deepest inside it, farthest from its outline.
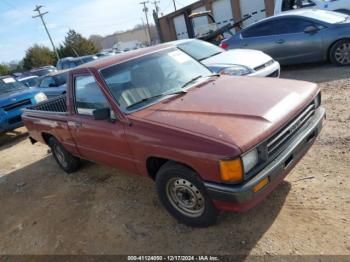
(156, 96)
(210, 56)
(191, 81)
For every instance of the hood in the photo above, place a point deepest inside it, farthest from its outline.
(17, 95)
(246, 57)
(241, 111)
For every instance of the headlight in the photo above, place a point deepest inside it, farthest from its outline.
(236, 70)
(231, 170)
(318, 100)
(40, 97)
(250, 160)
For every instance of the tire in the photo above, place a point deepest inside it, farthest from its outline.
(178, 183)
(65, 160)
(340, 53)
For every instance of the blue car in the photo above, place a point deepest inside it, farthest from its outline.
(15, 96)
(54, 84)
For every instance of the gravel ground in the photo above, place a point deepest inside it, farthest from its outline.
(101, 210)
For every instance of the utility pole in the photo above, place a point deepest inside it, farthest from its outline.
(174, 4)
(41, 15)
(156, 7)
(145, 9)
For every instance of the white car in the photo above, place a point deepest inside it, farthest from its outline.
(237, 62)
(342, 6)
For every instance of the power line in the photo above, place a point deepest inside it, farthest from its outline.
(156, 7)
(145, 9)
(41, 15)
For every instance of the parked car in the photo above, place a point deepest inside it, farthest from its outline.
(236, 62)
(108, 52)
(42, 71)
(53, 84)
(342, 6)
(71, 62)
(14, 96)
(300, 36)
(210, 142)
(29, 81)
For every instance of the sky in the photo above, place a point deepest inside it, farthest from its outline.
(18, 30)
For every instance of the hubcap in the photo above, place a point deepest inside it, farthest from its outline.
(342, 54)
(185, 197)
(60, 155)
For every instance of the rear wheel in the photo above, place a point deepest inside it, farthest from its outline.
(65, 160)
(183, 195)
(340, 53)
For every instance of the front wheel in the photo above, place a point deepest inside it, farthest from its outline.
(340, 53)
(183, 194)
(66, 160)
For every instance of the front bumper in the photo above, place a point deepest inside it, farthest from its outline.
(273, 70)
(241, 197)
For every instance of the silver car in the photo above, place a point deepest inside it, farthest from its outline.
(300, 36)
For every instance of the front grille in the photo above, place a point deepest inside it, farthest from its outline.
(15, 120)
(17, 105)
(281, 138)
(258, 68)
(274, 74)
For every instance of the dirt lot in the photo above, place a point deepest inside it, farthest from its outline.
(101, 210)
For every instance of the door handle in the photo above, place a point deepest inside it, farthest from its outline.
(245, 44)
(74, 124)
(281, 41)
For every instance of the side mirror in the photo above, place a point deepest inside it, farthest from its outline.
(311, 29)
(52, 85)
(102, 114)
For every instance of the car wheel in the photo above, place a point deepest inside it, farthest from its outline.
(183, 194)
(340, 53)
(65, 160)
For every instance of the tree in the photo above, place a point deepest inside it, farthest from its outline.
(37, 56)
(76, 43)
(97, 40)
(4, 69)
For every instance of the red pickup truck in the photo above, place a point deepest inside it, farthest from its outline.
(210, 142)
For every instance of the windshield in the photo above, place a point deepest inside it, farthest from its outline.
(149, 76)
(61, 79)
(30, 82)
(200, 50)
(9, 84)
(329, 17)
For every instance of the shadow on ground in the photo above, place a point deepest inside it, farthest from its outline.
(100, 210)
(11, 138)
(316, 72)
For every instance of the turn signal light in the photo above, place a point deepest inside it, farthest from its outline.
(231, 170)
(261, 184)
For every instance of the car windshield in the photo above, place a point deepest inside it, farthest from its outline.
(9, 84)
(200, 50)
(329, 17)
(141, 81)
(61, 79)
(30, 82)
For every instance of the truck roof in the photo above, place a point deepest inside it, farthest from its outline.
(119, 58)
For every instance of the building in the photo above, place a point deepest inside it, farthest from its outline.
(176, 25)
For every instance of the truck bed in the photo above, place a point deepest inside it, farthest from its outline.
(56, 105)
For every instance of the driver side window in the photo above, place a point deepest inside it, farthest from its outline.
(88, 95)
(47, 81)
